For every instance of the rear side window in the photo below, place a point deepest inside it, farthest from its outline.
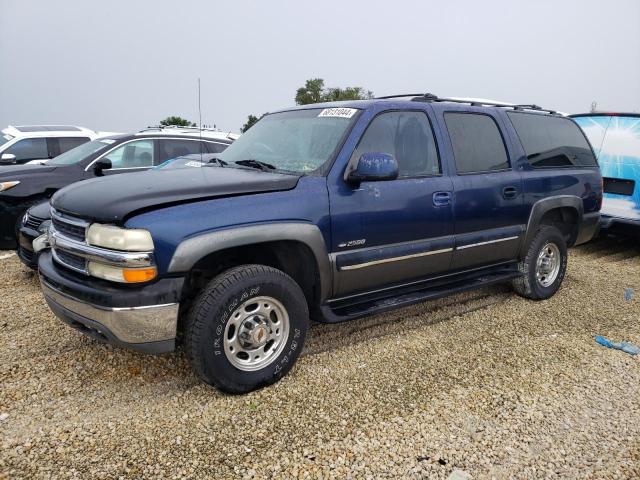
(215, 147)
(67, 143)
(552, 141)
(173, 148)
(408, 137)
(477, 143)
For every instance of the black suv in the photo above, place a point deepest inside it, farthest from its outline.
(24, 185)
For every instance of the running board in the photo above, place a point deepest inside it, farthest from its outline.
(335, 313)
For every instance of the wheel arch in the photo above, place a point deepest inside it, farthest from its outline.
(564, 212)
(298, 249)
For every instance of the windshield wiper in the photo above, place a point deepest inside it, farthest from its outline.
(214, 160)
(264, 166)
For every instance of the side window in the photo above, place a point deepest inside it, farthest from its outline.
(173, 147)
(215, 147)
(29, 149)
(405, 135)
(552, 141)
(138, 154)
(477, 143)
(67, 143)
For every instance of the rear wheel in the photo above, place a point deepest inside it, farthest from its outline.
(247, 328)
(544, 266)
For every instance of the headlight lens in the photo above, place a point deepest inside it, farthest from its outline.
(116, 238)
(4, 186)
(122, 275)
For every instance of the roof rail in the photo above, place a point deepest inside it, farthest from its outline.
(179, 127)
(476, 102)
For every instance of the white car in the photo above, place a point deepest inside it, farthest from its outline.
(27, 143)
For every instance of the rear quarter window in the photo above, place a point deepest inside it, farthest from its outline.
(552, 142)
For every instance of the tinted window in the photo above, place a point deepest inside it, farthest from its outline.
(67, 143)
(405, 135)
(173, 148)
(551, 141)
(138, 154)
(477, 143)
(216, 147)
(29, 149)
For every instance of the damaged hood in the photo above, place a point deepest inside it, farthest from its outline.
(113, 198)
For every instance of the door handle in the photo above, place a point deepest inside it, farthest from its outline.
(509, 192)
(441, 198)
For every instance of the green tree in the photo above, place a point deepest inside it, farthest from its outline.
(251, 120)
(314, 91)
(311, 92)
(174, 120)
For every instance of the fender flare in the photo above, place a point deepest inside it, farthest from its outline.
(195, 248)
(543, 206)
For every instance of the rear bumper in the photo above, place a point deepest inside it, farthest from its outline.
(627, 226)
(588, 228)
(142, 318)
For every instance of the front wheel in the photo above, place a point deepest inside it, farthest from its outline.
(247, 328)
(544, 266)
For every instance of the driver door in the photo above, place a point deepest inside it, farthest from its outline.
(134, 156)
(392, 232)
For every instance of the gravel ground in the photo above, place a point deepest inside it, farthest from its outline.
(484, 382)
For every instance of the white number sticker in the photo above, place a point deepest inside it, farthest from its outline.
(338, 112)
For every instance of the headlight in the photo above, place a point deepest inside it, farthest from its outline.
(123, 275)
(44, 226)
(116, 238)
(4, 186)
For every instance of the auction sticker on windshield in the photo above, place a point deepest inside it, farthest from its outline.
(338, 112)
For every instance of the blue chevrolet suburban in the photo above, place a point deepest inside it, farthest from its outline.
(326, 212)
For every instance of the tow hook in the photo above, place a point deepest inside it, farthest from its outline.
(41, 243)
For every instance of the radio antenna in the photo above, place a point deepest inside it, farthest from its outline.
(200, 120)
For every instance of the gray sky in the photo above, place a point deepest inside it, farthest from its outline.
(124, 65)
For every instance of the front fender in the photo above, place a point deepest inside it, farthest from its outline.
(193, 249)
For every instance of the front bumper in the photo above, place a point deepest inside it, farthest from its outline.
(26, 236)
(142, 318)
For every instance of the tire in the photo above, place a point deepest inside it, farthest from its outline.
(542, 281)
(237, 311)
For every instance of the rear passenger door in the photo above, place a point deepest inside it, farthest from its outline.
(488, 201)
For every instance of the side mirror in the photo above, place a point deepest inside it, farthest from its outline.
(374, 167)
(100, 165)
(7, 159)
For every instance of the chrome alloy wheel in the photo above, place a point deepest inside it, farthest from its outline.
(256, 333)
(548, 264)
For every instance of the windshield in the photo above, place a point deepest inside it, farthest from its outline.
(5, 138)
(299, 141)
(78, 154)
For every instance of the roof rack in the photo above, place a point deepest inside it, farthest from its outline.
(476, 102)
(179, 127)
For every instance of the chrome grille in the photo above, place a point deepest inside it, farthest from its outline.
(70, 260)
(33, 222)
(72, 228)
